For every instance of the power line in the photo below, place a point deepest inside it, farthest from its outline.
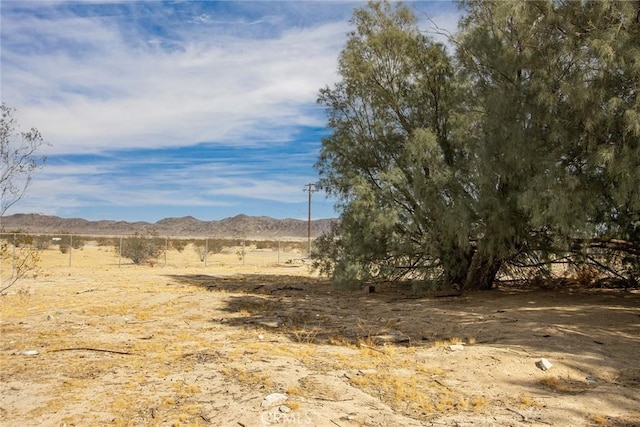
(310, 189)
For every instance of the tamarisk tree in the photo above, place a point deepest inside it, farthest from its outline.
(518, 147)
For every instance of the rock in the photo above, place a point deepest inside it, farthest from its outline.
(49, 317)
(284, 409)
(544, 364)
(456, 347)
(369, 289)
(29, 353)
(273, 399)
(367, 371)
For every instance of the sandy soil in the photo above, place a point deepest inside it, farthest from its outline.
(191, 345)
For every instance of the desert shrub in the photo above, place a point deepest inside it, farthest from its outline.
(76, 242)
(19, 238)
(141, 248)
(178, 244)
(41, 242)
(212, 246)
(217, 245)
(265, 244)
(200, 248)
(231, 242)
(108, 241)
(20, 255)
(296, 246)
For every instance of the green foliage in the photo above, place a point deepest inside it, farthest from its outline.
(452, 168)
(141, 248)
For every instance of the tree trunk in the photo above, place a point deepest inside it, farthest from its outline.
(482, 272)
(457, 269)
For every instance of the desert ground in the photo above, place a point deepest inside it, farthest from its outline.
(103, 342)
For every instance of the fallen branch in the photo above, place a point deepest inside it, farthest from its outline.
(327, 399)
(373, 348)
(524, 417)
(104, 350)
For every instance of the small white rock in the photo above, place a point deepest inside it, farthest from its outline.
(273, 399)
(284, 409)
(544, 364)
(260, 337)
(456, 347)
(29, 353)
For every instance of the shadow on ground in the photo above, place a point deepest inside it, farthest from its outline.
(594, 323)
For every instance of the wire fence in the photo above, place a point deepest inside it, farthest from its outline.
(87, 250)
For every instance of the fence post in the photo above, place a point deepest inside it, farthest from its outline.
(70, 247)
(13, 261)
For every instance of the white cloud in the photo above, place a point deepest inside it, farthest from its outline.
(102, 83)
(116, 95)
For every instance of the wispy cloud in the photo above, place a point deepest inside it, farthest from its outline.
(129, 93)
(117, 95)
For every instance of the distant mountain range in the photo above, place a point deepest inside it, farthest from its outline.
(251, 227)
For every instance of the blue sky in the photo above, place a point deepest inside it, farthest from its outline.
(167, 109)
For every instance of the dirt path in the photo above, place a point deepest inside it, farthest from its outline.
(177, 346)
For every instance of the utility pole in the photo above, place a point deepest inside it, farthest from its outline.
(310, 190)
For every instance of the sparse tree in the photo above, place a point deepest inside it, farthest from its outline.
(19, 157)
(19, 161)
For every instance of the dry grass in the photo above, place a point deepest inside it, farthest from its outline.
(448, 342)
(190, 344)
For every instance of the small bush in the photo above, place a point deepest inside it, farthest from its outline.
(108, 241)
(41, 243)
(178, 244)
(211, 246)
(141, 248)
(76, 242)
(200, 249)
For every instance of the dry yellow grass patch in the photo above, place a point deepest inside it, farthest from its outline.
(414, 390)
(447, 342)
(247, 377)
